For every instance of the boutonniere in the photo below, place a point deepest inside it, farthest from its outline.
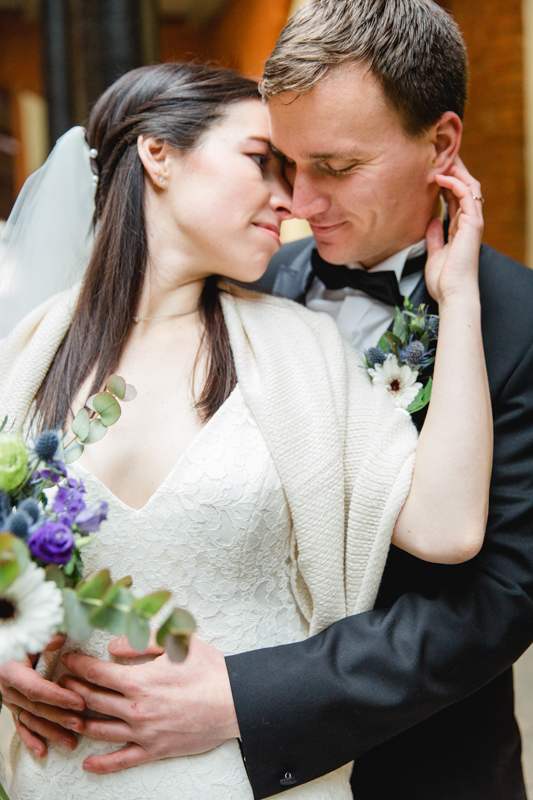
(401, 356)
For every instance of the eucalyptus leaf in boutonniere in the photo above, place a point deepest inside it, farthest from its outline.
(401, 356)
(45, 522)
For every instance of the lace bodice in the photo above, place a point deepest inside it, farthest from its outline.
(216, 533)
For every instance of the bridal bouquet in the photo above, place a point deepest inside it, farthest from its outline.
(45, 522)
(402, 354)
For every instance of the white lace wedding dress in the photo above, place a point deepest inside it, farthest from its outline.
(216, 533)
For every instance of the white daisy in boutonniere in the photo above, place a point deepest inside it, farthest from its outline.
(31, 609)
(399, 381)
(402, 354)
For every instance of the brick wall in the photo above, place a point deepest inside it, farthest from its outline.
(494, 141)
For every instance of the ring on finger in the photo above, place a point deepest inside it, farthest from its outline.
(478, 197)
(17, 714)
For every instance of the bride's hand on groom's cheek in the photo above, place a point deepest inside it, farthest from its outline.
(161, 708)
(42, 711)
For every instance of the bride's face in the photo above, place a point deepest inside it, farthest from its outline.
(223, 202)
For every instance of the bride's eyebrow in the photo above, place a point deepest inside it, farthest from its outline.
(261, 139)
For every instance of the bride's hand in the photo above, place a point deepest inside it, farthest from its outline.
(42, 712)
(452, 267)
(161, 708)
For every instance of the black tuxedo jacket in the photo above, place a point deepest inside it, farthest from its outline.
(419, 690)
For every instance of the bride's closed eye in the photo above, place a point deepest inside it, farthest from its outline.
(260, 159)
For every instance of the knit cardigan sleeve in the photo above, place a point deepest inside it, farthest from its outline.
(344, 453)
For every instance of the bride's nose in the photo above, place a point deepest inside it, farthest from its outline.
(281, 199)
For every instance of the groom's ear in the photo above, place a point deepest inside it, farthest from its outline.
(445, 137)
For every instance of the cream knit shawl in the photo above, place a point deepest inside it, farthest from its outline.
(344, 454)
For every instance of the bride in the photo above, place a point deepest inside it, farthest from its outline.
(259, 474)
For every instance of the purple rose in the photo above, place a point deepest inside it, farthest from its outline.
(53, 542)
(90, 519)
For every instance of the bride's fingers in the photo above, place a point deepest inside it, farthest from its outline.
(32, 742)
(434, 237)
(129, 756)
(53, 714)
(47, 730)
(103, 701)
(465, 196)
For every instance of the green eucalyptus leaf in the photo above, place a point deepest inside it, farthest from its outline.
(77, 613)
(95, 587)
(113, 613)
(117, 386)
(97, 431)
(137, 631)
(384, 342)
(89, 402)
(9, 565)
(80, 425)
(73, 452)
(177, 647)
(54, 573)
(151, 604)
(107, 407)
(175, 632)
(22, 554)
(130, 394)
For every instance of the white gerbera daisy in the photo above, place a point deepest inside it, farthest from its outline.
(30, 611)
(398, 381)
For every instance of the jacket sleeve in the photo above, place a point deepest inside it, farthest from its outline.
(439, 634)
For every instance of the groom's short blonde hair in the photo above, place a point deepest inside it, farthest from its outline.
(413, 47)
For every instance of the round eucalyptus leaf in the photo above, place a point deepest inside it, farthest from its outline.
(137, 631)
(107, 407)
(117, 386)
(130, 393)
(177, 647)
(76, 616)
(73, 452)
(80, 425)
(97, 431)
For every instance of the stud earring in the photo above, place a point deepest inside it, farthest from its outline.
(160, 179)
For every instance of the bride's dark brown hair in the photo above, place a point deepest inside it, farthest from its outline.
(176, 103)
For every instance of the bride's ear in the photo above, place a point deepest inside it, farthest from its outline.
(154, 154)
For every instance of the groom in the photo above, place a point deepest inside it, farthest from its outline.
(366, 99)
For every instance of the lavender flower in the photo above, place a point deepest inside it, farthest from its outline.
(69, 502)
(90, 519)
(53, 542)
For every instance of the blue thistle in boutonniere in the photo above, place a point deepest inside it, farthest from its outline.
(401, 356)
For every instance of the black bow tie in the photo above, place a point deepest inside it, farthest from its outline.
(382, 286)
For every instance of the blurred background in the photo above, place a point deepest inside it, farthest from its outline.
(57, 56)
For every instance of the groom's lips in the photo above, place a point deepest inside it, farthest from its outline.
(325, 231)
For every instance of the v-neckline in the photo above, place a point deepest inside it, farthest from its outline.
(190, 447)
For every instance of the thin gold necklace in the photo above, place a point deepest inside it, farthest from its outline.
(166, 316)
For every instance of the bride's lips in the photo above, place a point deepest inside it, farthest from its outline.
(325, 231)
(269, 228)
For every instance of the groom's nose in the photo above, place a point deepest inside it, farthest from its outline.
(309, 197)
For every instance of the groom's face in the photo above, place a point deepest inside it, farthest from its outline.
(365, 185)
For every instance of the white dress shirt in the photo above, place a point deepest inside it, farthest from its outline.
(361, 319)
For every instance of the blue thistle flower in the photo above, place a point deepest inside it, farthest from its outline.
(414, 353)
(30, 508)
(47, 444)
(433, 326)
(18, 523)
(375, 355)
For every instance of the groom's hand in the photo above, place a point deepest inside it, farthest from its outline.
(162, 709)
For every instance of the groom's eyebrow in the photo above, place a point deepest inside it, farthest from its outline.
(318, 156)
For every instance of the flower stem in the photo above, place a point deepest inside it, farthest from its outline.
(3, 793)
